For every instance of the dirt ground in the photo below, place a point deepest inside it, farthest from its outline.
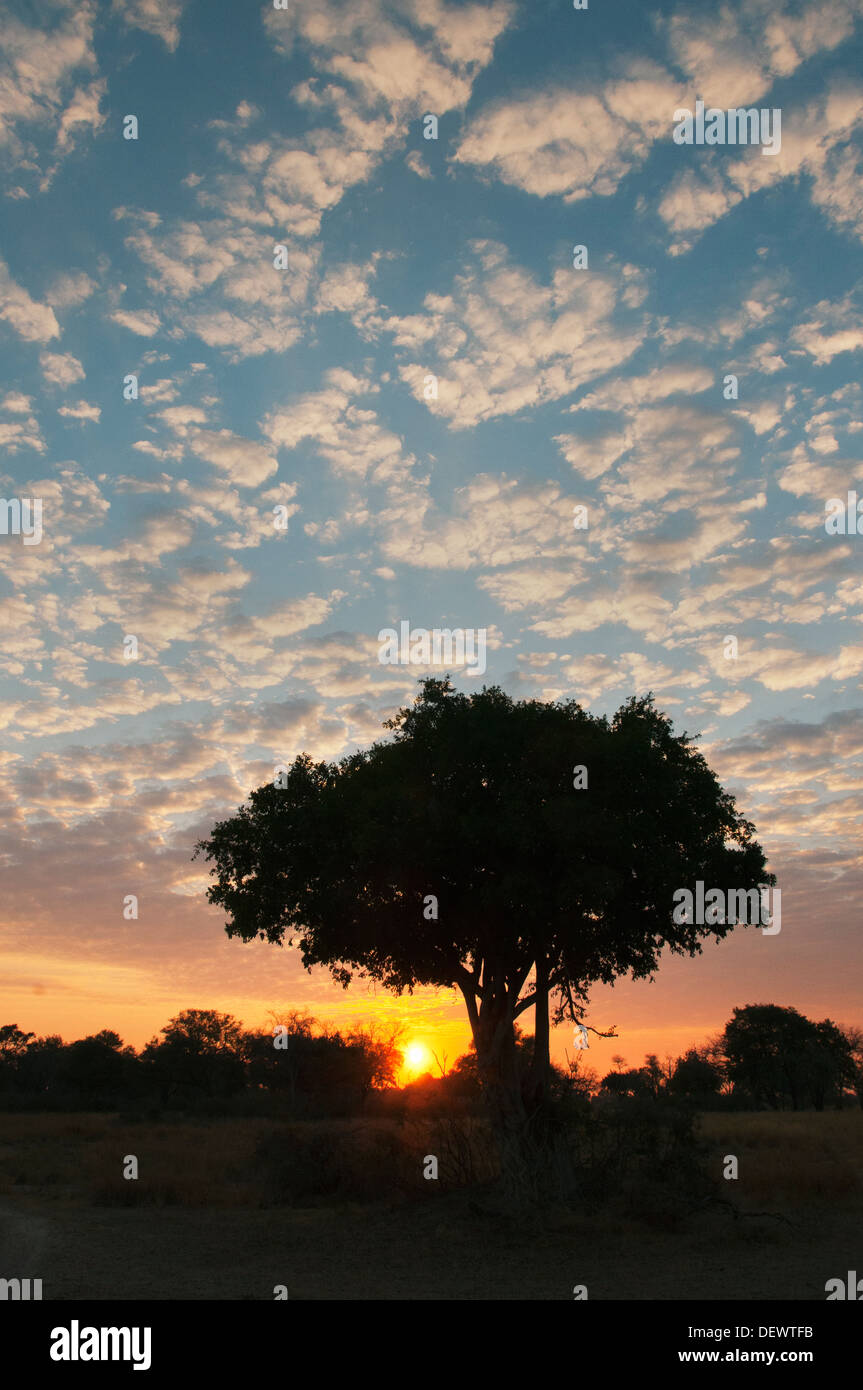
(416, 1253)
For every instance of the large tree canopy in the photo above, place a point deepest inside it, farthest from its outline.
(545, 879)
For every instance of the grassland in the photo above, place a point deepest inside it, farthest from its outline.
(340, 1210)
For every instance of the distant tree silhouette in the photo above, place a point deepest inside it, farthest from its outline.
(768, 1056)
(98, 1071)
(13, 1050)
(637, 1082)
(13, 1042)
(200, 1051)
(655, 1075)
(854, 1037)
(778, 1057)
(583, 1080)
(40, 1069)
(828, 1064)
(695, 1078)
(205, 1057)
(378, 1055)
(542, 888)
(279, 1069)
(321, 1070)
(692, 1077)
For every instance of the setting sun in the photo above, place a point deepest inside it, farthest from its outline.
(417, 1057)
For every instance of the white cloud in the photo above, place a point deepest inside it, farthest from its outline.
(243, 461)
(81, 411)
(83, 110)
(70, 289)
(144, 322)
(20, 434)
(502, 341)
(374, 75)
(624, 392)
(494, 521)
(668, 448)
(33, 322)
(417, 165)
(38, 68)
(17, 403)
(573, 144)
(349, 437)
(734, 59)
(161, 18)
(219, 282)
(814, 142)
(61, 368)
(592, 455)
(830, 328)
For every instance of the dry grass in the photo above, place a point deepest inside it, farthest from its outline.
(81, 1159)
(790, 1158)
(203, 1220)
(786, 1160)
(217, 1163)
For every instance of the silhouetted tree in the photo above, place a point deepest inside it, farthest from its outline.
(636, 1082)
(695, 1078)
(854, 1037)
(40, 1070)
(379, 1057)
(200, 1051)
(828, 1065)
(320, 1070)
(278, 1068)
(541, 889)
(655, 1075)
(98, 1071)
(13, 1042)
(583, 1079)
(777, 1055)
(13, 1048)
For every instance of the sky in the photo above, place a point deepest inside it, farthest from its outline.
(298, 364)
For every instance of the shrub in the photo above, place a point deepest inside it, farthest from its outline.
(300, 1165)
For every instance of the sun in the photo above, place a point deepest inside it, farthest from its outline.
(417, 1057)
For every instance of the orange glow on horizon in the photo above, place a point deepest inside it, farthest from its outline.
(60, 992)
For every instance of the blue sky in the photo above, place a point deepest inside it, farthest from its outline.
(304, 387)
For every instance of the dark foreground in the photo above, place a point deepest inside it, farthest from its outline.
(200, 1230)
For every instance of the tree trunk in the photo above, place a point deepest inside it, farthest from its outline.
(521, 1151)
(497, 1062)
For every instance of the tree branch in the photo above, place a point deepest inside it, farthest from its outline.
(610, 1034)
(468, 979)
(472, 1012)
(524, 1004)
